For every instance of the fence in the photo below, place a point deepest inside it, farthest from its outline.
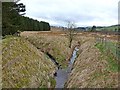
(111, 49)
(110, 46)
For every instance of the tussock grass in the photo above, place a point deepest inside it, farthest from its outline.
(91, 68)
(25, 66)
(113, 64)
(57, 46)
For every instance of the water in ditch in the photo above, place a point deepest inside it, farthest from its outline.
(61, 75)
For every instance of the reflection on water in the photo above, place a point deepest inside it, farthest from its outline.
(62, 74)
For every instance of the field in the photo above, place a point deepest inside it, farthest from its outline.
(92, 67)
(59, 47)
(25, 63)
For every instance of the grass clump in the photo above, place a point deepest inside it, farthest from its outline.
(57, 46)
(113, 65)
(23, 65)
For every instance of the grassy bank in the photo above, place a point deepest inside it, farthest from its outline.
(113, 63)
(25, 66)
(57, 46)
(91, 68)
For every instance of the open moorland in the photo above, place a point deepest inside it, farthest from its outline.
(59, 46)
(93, 68)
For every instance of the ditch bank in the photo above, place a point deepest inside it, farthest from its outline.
(24, 66)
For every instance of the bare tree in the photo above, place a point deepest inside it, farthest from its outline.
(70, 32)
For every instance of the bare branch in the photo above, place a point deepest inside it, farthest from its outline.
(70, 32)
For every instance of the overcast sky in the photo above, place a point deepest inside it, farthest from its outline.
(82, 12)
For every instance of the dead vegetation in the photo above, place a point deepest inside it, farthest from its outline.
(91, 69)
(57, 46)
(24, 66)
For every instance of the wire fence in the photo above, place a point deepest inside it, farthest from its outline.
(111, 47)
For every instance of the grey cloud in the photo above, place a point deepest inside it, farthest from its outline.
(84, 11)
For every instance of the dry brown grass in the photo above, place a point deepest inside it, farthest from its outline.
(90, 68)
(24, 66)
(57, 46)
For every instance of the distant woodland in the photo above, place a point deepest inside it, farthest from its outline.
(13, 20)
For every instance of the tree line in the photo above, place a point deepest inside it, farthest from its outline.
(13, 20)
(29, 24)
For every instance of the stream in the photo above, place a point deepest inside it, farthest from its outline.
(61, 75)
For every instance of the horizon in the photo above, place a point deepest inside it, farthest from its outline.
(89, 26)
